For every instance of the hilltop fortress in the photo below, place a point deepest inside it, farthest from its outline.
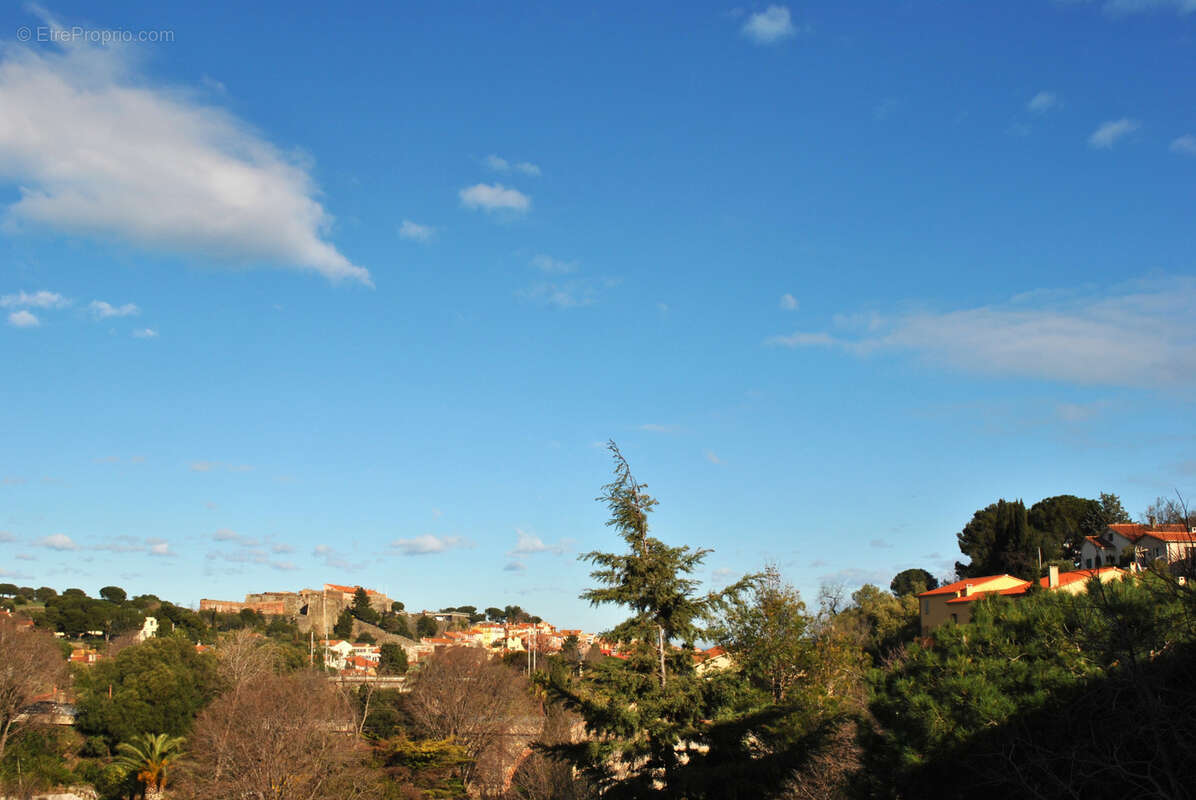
(313, 610)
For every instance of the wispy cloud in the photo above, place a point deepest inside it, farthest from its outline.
(1109, 133)
(102, 150)
(880, 544)
(58, 541)
(334, 558)
(514, 566)
(494, 197)
(1042, 102)
(788, 302)
(1184, 145)
(770, 26)
(144, 333)
(499, 164)
(23, 319)
(1124, 336)
(712, 458)
(429, 544)
(102, 310)
(209, 466)
(528, 543)
(553, 266)
(1126, 7)
(415, 232)
(40, 299)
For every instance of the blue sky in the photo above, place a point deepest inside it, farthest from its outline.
(292, 295)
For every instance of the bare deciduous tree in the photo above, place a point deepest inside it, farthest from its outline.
(245, 656)
(289, 737)
(30, 665)
(483, 705)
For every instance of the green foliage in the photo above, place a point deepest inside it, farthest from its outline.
(392, 659)
(396, 624)
(651, 715)
(8, 589)
(366, 638)
(362, 609)
(113, 594)
(159, 685)
(884, 622)
(397, 607)
(913, 581)
(766, 634)
(999, 539)
(1064, 521)
(429, 767)
(149, 757)
(343, 629)
(75, 614)
(37, 761)
(426, 626)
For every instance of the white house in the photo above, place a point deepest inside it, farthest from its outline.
(149, 629)
(1141, 544)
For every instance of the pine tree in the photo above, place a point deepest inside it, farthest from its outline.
(649, 714)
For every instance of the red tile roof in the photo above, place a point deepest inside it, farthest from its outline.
(959, 586)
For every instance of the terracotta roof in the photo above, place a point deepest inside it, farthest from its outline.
(1065, 578)
(1171, 536)
(959, 586)
(1135, 531)
(348, 589)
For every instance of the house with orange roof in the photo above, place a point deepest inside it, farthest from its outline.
(953, 602)
(1137, 544)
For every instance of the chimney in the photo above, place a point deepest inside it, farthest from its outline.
(1150, 520)
(1053, 576)
(967, 590)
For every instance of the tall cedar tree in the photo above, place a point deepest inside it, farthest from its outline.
(649, 715)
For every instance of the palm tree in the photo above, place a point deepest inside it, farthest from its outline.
(150, 754)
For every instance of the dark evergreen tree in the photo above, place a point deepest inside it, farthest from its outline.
(649, 713)
(362, 609)
(343, 629)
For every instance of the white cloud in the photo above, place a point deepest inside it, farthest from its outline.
(528, 543)
(1184, 145)
(1125, 336)
(801, 339)
(416, 232)
(1042, 102)
(515, 566)
(712, 458)
(160, 548)
(103, 310)
(145, 333)
(57, 541)
(880, 544)
(1107, 133)
(552, 265)
(429, 544)
(1181, 7)
(789, 302)
(499, 164)
(7, 536)
(23, 319)
(203, 466)
(101, 151)
(225, 535)
(40, 299)
(494, 197)
(769, 26)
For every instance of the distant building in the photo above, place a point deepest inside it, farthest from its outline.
(953, 602)
(149, 629)
(1140, 545)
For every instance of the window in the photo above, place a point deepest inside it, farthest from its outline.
(954, 618)
(1089, 563)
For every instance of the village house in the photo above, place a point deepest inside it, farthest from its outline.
(953, 602)
(1140, 545)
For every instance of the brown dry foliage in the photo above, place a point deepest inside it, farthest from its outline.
(481, 704)
(282, 737)
(30, 665)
